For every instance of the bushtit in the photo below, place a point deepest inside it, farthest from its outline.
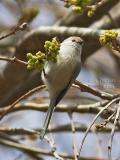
(59, 76)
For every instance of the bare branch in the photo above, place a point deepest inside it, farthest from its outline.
(35, 151)
(53, 148)
(96, 92)
(21, 27)
(71, 19)
(88, 108)
(60, 128)
(76, 154)
(88, 34)
(113, 131)
(18, 131)
(78, 85)
(13, 59)
(95, 118)
(10, 108)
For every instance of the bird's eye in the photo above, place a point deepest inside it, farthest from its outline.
(73, 40)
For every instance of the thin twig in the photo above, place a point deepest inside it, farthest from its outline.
(113, 132)
(98, 93)
(61, 128)
(24, 147)
(95, 118)
(76, 154)
(53, 148)
(18, 131)
(36, 151)
(10, 108)
(13, 59)
(6, 137)
(20, 27)
(97, 5)
(106, 121)
(91, 108)
(110, 118)
(51, 142)
(77, 84)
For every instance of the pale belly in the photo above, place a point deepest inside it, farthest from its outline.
(58, 76)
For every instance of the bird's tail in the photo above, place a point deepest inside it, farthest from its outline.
(47, 120)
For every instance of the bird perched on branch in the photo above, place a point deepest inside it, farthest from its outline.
(59, 76)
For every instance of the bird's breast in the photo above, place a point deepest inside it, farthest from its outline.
(59, 74)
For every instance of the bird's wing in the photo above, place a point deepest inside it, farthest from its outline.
(62, 93)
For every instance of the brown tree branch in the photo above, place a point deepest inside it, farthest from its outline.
(10, 108)
(78, 85)
(60, 128)
(71, 19)
(113, 131)
(18, 131)
(35, 151)
(53, 148)
(76, 154)
(95, 118)
(88, 108)
(20, 27)
(13, 59)
(96, 92)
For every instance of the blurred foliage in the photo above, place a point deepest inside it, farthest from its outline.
(29, 14)
(77, 5)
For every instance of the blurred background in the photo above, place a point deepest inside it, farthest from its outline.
(100, 70)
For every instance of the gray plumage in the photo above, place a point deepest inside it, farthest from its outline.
(60, 75)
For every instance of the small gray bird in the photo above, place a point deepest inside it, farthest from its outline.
(59, 76)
